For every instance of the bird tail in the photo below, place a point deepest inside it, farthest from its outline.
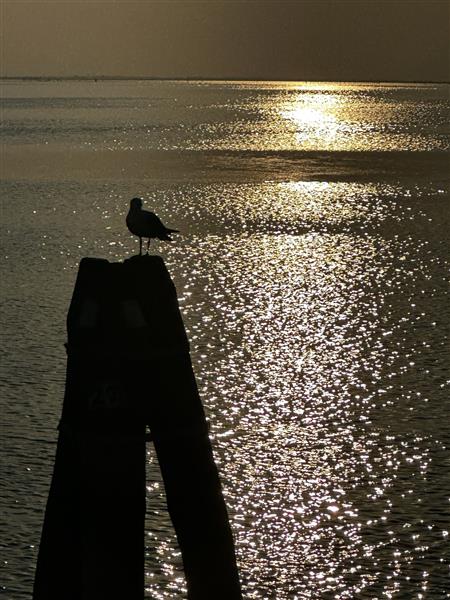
(172, 230)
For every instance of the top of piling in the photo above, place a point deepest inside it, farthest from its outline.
(125, 309)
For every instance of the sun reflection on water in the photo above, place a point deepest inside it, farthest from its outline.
(336, 118)
(303, 323)
(316, 116)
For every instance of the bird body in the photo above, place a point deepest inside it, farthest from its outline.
(146, 224)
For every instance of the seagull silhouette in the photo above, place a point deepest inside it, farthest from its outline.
(146, 224)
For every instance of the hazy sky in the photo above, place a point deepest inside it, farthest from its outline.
(302, 39)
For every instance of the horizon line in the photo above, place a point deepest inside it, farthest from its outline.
(191, 78)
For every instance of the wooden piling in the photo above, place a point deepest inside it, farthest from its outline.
(129, 367)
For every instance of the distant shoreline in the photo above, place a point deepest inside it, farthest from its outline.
(206, 79)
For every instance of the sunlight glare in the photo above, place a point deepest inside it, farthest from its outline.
(315, 115)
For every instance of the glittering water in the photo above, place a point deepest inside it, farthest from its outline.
(312, 272)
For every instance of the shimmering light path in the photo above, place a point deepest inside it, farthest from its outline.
(318, 317)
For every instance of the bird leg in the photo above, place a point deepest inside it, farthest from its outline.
(140, 246)
(148, 244)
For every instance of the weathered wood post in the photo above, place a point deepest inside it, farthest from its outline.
(129, 367)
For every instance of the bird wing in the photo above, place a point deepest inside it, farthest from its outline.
(154, 223)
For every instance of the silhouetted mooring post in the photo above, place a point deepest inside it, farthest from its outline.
(129, 366)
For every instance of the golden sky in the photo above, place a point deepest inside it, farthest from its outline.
(302, 39)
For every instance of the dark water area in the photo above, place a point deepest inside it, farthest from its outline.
(312, 271)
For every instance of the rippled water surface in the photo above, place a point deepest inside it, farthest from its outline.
(316, 306)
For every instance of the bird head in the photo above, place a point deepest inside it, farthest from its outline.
(136, 203)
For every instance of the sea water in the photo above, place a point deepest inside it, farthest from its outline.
(312, 271)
